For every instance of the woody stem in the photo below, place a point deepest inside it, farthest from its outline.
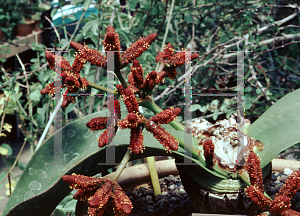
(121, 78)
(154, 175)
(101, 88)
(121, 166)
(127, 154)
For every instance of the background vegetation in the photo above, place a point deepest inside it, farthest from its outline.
(267, 30)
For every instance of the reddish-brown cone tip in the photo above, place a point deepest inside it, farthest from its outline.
(136, 141)
(166, 139)
(150, 38)
(291, 185)
(280, 204)
(50, 58)
(290, 212)
(101, 196)
(137, 48)
(99, 191)
(258, 197)
(98, 123)
(254, 170)
(166, 116)
(76, 46)
(208, 147)
(130, 101)
(49, 89)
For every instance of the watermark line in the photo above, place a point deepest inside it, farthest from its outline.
(215, 94)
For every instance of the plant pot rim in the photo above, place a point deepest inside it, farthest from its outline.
(139, 173)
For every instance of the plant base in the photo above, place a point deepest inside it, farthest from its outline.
(205, 201)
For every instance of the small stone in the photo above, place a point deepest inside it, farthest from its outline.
(273, 177)
(172, 178)
(135, 191)
(148, 198)
(163, 203)
(278, 186)
(287, 171)
(282, 178)
(174, 193)
(150, 202)
(151, 210)
(178, 184)
(172, 199)
(181, 191)
(142, 190)
(159, 197)
(164, 193)
(277, 182)
(171, 187)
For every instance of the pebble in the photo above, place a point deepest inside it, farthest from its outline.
(276, 182)
(163, 203)
(181, 191)
(287, 171)
(278, 186)
(164, 193)
(171, 187)
(150, 210)
(148, 198)
(178, 184)
(172, 201)
(282, 178)
(175, 201)
(142, 190)
(273, 177)
(172, 178)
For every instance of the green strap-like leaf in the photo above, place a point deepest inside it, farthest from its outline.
(279, 127)
(40, 188)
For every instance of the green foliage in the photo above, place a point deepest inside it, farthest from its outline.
(274, 66)
(81, 154)
(278, 127)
